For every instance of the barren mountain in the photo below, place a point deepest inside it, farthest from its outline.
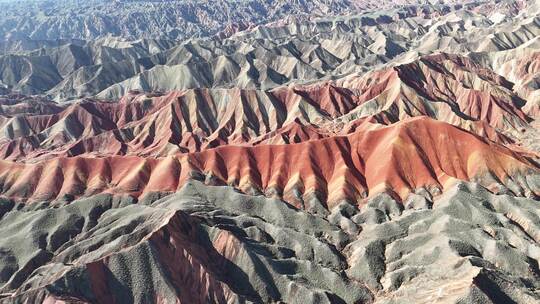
(176, 19)
(266, 56)
(445, 87)
(212, 244)
(270, 151)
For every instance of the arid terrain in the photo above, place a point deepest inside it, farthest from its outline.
(311, 151)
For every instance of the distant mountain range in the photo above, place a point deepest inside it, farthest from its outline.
(76, 19)
(263, 57)
(307, 151)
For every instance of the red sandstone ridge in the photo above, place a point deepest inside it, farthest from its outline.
(415, 153)
(382, 155)
(181, 121)
(445, 87)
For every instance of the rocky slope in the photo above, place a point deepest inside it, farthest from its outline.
(445, 87)
(305, 152)
(176, 19)
(398, 159)
(268, 55)
(466, 246)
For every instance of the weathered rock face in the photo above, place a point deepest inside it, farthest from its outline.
(448, 88)
(399, 158)
(385, 156)
(213, 244)
(264, 57)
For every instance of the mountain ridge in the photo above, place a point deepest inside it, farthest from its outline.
(308, 151)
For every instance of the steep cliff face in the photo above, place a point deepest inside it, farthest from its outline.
(305, 152)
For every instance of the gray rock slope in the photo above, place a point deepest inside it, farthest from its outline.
(266, 56)
(210, 244)
(165, 19)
